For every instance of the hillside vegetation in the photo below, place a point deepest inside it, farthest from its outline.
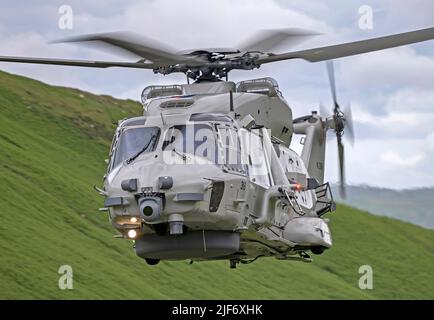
(53, 143)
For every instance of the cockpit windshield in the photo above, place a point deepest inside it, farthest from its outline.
(218, 143)
(195, 139)
(134, 141)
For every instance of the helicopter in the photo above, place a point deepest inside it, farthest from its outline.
(207, 171)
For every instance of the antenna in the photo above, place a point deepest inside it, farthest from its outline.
(162, 119)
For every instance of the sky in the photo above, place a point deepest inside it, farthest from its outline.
(391, 92)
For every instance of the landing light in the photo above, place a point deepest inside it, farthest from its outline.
(132, 234)
(133, 220)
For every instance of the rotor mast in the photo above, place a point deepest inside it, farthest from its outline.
(211, 71)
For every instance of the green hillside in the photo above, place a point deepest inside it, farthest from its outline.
(53, 143)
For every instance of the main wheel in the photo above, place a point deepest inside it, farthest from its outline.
(317, 250)
(152, 262)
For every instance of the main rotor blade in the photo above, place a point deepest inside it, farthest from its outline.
(353, 48)
(155, 51)
(79, 63)
(331, 75)
(267, 40)
(341, 168)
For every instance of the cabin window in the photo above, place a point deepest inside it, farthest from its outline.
(230, 153)
(133, 140)
(254, 153)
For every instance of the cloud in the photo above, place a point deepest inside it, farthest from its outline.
(396, 164)
(388, 68)
(197, 23)
(406, 113)
(429, 143)
(420, 15)
(393, 158)
(412, 100)
(393, 125)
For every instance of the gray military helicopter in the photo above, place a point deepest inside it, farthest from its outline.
(207, 171)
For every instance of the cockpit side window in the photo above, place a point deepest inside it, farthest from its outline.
(252, 144)
(112, 149)
(231, 155)
(133, 140)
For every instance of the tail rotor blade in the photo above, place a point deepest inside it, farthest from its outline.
(331, 75)
(349, 126)
(341, 156)
(323, 112)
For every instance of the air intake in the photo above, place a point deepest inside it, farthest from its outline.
(160, 91)
(266, 86)
(176, 103)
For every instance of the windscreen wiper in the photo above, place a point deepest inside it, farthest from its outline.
(132, 158)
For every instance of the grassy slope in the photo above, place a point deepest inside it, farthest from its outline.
(53, 142)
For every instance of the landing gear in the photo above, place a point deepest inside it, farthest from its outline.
(152, 262)
(233, 263)
(160, 228)
(317, 250)
(304, 256)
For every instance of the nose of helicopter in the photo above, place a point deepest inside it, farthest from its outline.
(155, 192)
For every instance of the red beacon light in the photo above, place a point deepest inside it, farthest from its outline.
(298, 187)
